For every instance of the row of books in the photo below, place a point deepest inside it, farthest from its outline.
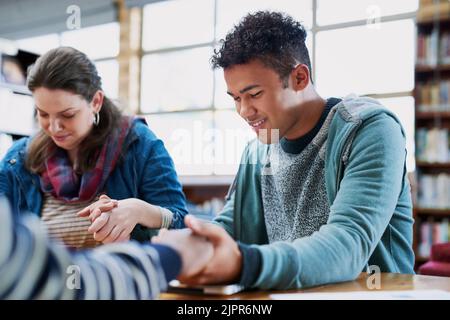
(433, 145)
(434, 191)
(433, 96)
(444, 49)
(432, 232)
(433, 49)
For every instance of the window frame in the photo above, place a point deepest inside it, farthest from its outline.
(313, 31)
(96, 60)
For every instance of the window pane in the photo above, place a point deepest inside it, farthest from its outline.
(109, 72)
(177, 80)
(221, 99)
(177, 23)
(39, 45)
(6, 142)
(231, 136)
(369, 10)
(366, 60)
(229, 12)
(188, 139)
(404, 110)
(97, 42)
(16, 113)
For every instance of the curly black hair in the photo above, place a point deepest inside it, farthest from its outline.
(274, 38)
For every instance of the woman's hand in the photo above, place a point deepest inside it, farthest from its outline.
(115, 225)
(93, 211)
(114, 220)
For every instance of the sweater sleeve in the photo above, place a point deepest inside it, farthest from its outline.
(225, 218)
(251, 264)
(359, 215)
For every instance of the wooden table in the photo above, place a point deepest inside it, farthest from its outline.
(389, 281)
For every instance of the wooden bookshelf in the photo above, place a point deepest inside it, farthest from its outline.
(434, 12)
(432, 212)
(431, 22)
(432, 76)
(433, 165)
(199, 189)
(431, 69)
(431, 115)
(207, 180)
(420, 259)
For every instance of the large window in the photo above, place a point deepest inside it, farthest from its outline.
(170, 24)
(366, 60)
(342, 11)
(368, 49)
(177, 80)
(355, 51)
(100, 43)
(184, 100)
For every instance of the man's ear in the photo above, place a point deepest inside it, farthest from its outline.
(97, 101)
(300, 77)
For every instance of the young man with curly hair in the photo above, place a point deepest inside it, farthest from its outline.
(325, 202)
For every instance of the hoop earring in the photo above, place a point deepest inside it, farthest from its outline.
(96, 118)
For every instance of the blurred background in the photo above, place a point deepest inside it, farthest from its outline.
(154, 60)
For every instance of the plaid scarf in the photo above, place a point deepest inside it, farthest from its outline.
(65, 184)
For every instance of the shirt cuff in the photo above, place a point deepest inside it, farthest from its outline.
(251, 265)
(170, 261)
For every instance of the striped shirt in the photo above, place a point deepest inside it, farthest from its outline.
(32, 267)
(63, 224)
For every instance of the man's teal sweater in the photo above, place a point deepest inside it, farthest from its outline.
(370, 220)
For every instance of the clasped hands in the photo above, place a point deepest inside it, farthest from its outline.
(109, 221)
(209, 255)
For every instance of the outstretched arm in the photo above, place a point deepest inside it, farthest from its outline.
(33, 267)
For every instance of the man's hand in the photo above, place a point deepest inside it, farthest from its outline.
(195, 251)
(226, 264)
